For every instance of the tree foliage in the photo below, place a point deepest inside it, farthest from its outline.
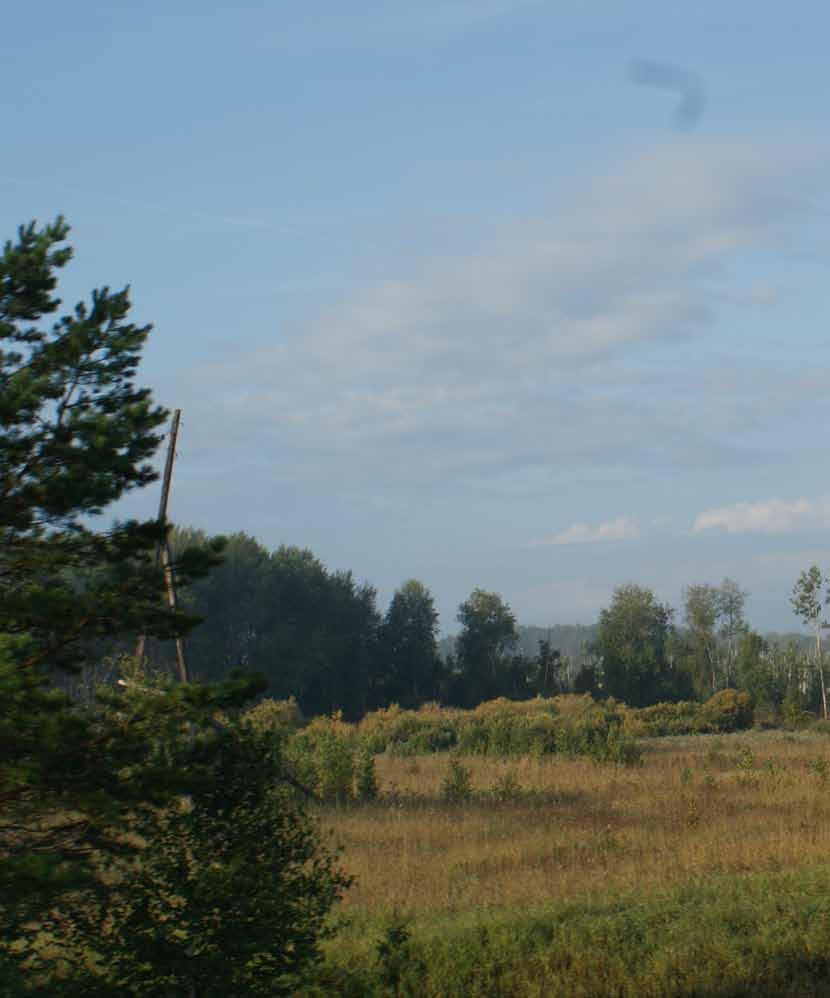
(715, 622)
(807, 600)
(488, 632)
(145, 846)
(632, 642)
(313, 633)
(409, 647)
(76, 433)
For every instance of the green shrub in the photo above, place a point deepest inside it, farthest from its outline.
(501, 735)
(792, 712)
(729, 710)
(568, 725)
(473, 737)
(323, 755)
(682, 718)
(408, 732)
(457, 785)
(366, 779)
(335, 768)
(424, 740)
(620, 749)
(507, 787)
(269, 715)
(395, 961)
(819, 768)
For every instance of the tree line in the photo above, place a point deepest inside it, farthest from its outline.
(320, 637)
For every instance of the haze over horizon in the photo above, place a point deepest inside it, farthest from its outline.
(490, 293)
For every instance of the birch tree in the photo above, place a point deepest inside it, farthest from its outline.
(808, 598)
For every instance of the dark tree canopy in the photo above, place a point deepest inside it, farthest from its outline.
(409, 646)
(632, 642)
(312, 632)
(151, 841)
(76, 433)
(488, 632)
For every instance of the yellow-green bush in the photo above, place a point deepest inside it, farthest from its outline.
(567, 725)
(726, 710)
(270, 714)
(324, 750)
(409, 732)
(323, 754)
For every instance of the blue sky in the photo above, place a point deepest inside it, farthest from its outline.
(448, 290)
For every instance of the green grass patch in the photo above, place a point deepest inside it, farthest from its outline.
(726, 936)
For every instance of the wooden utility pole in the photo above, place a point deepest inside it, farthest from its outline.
(162, 548)
(170, 586)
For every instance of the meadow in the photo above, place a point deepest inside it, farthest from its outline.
(700, 869)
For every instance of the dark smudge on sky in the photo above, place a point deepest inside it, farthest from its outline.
(664, 76)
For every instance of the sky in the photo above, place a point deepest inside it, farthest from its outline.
(513, 294)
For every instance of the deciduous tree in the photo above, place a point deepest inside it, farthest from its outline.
(807, 600)
(408, 646)
(701, 606)
(631, 641)
(488, 632)
(731, 600)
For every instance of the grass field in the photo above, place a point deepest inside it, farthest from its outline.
(725, 836)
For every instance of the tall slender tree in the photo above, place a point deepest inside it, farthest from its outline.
(409, 646)
(701, 606)
(488, 633)
(807, 599)
(731, 600)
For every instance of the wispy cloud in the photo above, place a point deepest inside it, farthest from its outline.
(507, 358)
(621, 529)
(772, 516)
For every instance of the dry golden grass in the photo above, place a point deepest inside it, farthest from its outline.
(697, 805)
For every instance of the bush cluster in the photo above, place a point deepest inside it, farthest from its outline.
(564, 725)
(726, 710)
(324, 757)
(334, 758)
(430, 728)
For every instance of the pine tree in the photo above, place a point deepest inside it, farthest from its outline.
(146, 788)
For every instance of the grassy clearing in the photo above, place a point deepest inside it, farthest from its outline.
(726, 936)
(726, 837)
(697, 805)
